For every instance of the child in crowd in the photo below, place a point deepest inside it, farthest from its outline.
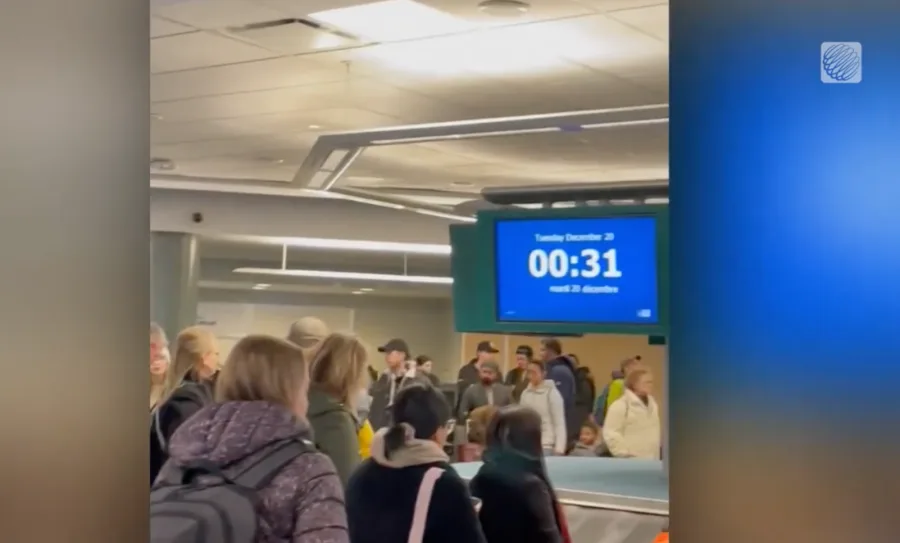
(587, 441)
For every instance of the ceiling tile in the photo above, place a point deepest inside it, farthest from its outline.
(200, 50)
(235, 169)
(244, 77)
(247, 146)
(303, 8)
(650, 20)
(162, 132)
(413, 155)
(616, 5)
(610, 41)
(357, 93)
(161, 27)
(217, 14)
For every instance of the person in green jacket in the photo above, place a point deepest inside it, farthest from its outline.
(337, 376)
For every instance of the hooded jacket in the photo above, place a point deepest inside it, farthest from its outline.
(385, 389)
(547, 401)
(517, 502)
(303, 504)
(381, 496)
(334, 429)
(561, 370)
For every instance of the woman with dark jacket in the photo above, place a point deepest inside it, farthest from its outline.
(383, 493)
(261, 402)
(518, 502)
(187, 389)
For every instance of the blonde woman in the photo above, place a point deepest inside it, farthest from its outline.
(260, 410)
(632, 427)
(159, 364)
(187, 388)
(337, 374)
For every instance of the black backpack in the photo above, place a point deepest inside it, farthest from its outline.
(199, 503)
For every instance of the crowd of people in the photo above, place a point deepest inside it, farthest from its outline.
(622, 421)
(301, 440)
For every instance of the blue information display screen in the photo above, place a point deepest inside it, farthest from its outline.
(596, 270)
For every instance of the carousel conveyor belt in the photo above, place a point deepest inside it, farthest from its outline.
(606, 500)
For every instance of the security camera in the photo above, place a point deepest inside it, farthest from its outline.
(197, 217)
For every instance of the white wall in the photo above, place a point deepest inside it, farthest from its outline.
(426, 324)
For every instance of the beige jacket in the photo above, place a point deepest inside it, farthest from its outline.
(632, 428)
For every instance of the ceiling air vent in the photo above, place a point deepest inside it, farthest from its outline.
(293, 36)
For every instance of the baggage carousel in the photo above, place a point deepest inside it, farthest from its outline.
(607, 500)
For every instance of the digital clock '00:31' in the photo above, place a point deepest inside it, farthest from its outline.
(590, 263)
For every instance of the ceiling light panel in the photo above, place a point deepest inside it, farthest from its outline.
(392, 20)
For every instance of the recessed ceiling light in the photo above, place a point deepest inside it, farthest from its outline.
(261, 286)
(314, 127)
(358, 292)
(504, 8)
(366, 289)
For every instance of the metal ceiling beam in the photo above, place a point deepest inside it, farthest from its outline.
(310, 172)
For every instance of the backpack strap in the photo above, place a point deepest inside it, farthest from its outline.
(423, 501)
(261, 472)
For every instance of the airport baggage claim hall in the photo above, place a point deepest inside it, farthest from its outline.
(406, 169)
(703, 195)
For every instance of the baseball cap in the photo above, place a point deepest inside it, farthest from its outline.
(395, 344)
(308, 332)
(525, 351)
(486, 347)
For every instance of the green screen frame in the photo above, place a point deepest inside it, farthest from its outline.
(484, 275)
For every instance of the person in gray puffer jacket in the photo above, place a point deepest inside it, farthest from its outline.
(304, 502)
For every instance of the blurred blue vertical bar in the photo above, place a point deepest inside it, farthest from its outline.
(785, 239)
(174, 280)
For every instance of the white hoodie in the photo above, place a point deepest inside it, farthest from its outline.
(548, 402)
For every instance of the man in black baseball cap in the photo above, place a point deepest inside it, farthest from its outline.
(470, 374)
(515, 378)
(399, 373)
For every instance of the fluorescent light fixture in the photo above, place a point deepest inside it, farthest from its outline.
(358, 292)
(369, 246)
(366, 289)
(349, 276)
(367, 201)
(391, 20)
(469, 135)
(261, 286)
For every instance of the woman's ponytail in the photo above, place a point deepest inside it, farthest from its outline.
(396, 437)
